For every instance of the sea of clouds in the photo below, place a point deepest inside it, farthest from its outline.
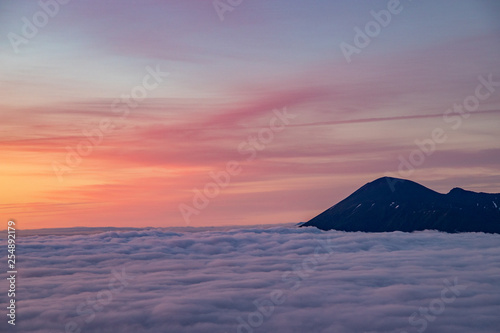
(255, 279)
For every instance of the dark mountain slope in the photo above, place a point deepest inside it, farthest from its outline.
(391, 204)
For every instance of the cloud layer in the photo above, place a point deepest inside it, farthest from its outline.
(266, 279)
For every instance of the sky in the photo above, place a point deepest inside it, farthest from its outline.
(190, 113)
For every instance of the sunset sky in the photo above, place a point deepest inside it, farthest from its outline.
(350, 122)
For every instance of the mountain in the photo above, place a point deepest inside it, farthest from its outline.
(393, 204)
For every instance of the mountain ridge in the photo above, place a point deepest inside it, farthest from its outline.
(393, 204)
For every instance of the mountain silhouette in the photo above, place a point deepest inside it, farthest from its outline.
(393, 204)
